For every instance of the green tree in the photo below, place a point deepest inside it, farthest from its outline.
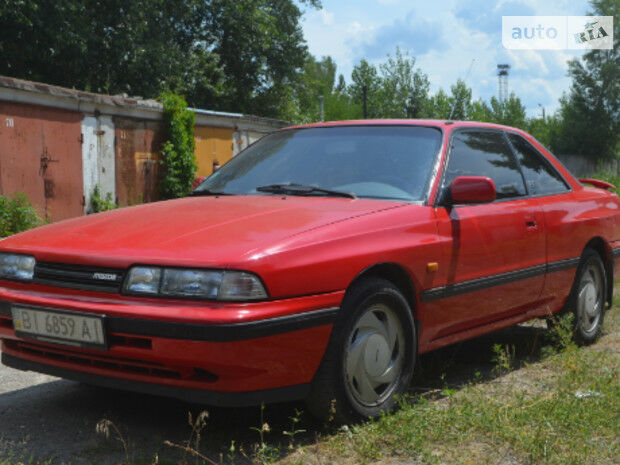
(366, 76)
(177, 153)
(591, 111)
(315, 83)
(339, 106)
(341, 87)
(261, 49)
(460, 101)
(510, 111)
(457, 106)
(404, 88)
(139, 48)
(239, 56)
(546, 130)
(438, 106)
(479, 110)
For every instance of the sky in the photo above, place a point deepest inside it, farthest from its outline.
(445, 36)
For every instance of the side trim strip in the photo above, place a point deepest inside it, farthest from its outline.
(562, 265)
(217, 332)
(218, 398)
(481, 283)
(478, 284)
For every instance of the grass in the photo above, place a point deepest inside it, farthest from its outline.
(563, 409)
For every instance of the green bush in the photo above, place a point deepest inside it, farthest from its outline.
(100, 204)
(17, 214)
(609, 176)
(177, 153)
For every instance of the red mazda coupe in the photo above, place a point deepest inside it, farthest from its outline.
(316, 264)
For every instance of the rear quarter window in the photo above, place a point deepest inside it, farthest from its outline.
(541, 177)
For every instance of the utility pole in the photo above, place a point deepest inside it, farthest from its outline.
(543, 110)
(321, 116)
(365, 99)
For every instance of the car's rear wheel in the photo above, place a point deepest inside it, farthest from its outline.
(586, 301)
(370, 357)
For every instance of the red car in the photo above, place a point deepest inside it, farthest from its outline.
(316, 264)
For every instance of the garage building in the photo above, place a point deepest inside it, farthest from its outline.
(57, 144)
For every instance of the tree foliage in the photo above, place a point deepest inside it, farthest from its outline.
(238, 56)
(177, 153)
(99, 203)
(261, 50)
(404, 88)
(250, 56)
(365, 78)
(17, 214)
(590, 113)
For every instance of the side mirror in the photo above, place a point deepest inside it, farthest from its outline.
(472, 189)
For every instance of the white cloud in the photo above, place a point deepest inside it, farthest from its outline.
(528, 60)
(326, 17)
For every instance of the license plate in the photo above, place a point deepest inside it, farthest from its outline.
(68, 328)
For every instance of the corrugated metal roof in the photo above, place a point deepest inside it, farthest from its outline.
(57, 91)
(79, 100)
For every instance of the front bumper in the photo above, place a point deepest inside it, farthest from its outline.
(261, 352)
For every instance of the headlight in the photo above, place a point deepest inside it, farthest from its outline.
(143, 280)
(16, 266)
(192, 283)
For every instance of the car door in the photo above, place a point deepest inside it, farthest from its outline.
(559, 207)
(494, 254)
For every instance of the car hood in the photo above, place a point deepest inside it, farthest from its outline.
(193, 231)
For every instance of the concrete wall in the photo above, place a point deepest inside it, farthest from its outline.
(98, 157)
(581, 166)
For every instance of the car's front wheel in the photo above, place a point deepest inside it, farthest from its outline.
(370, 357)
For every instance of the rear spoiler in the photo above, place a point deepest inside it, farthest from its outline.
(598, 183)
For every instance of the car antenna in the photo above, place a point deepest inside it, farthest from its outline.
(464, 80)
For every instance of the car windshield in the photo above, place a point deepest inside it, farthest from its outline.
(373, 162)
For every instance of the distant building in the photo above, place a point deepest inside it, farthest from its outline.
(57, 144)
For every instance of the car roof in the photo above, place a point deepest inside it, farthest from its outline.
(405, 122)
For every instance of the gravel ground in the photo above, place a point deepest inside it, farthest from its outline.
(48, 419)
(45, 418)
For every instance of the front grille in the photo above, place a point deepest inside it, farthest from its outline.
(79, 276)
(97, 361)
(153, 370)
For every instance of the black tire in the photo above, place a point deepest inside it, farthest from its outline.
(332, 397)
(587, 325)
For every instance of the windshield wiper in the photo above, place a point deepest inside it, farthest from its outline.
(303, 189)
(206, 192)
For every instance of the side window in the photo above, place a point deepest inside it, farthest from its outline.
(485, 153)
(540, 176)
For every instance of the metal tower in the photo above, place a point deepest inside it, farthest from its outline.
(502, 76)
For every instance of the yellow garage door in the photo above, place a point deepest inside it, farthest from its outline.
(212, 144)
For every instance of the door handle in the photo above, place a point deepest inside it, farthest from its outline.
(530, 222)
